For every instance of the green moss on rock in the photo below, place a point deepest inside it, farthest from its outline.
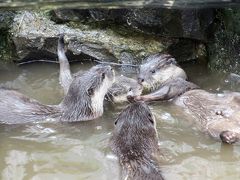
(6, 45)
(224, 49)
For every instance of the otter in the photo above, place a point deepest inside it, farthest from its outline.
(157, 69)
(83, 99)
(135, 142)
(121, 88)
(215, 114)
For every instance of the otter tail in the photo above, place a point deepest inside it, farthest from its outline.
(65, 76)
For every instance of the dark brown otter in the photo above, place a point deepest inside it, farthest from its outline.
(135, 143)
(83, 101)
(216, 114)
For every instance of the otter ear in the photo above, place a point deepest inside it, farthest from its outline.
(90, 92)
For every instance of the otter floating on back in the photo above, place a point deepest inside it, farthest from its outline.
(135, 143)
(215, 114)
(84, 96)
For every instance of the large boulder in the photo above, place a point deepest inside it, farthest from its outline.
(107, 34)
(35, 37)
(180, 23)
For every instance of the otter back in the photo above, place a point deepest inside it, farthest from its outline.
(15, 108)
(135, 143)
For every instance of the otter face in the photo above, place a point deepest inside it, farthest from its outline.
(157, 69)
(123, 87)
(135, 132)
(84, 100)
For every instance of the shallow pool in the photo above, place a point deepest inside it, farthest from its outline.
(80, 150)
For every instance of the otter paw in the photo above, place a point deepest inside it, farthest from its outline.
(228, 137)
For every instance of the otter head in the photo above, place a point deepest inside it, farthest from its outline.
(84, 99)
(135, 133)
(158, 69)
(123, 87)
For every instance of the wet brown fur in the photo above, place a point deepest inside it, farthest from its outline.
(135, 142)
(215, 114)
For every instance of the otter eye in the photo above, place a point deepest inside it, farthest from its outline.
(153, 71)
(103, 76)
(116, 122)
(90, 91)
(130, 89)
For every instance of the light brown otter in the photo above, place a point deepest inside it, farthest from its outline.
(121, 88)
(83, 100)
(216, 114)
(158, 69)
(135, 143)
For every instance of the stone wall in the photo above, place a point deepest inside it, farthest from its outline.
(124, 35)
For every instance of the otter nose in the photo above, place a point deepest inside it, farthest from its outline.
(140, 80)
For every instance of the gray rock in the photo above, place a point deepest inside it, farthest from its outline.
(224, 48)
(187, 49)
(67, 15)
(172, 23)
(188, 23)
(35, 36)
(127, 58)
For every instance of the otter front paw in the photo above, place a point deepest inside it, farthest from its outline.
(228, 137)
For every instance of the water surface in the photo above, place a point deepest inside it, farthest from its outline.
(80, 150)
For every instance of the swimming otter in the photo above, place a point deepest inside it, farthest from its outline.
(216, 114)
(135, 142)
(121, 88)
(83, 100)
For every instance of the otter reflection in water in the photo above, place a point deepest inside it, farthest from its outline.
(135, 142)
(216, 114)
(83, 99)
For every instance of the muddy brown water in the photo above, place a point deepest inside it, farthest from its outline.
(80, 150)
